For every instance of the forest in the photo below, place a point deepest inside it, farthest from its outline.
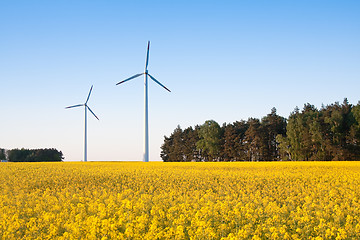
(31, 155)
(331, 133)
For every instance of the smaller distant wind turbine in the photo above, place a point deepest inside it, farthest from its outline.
(86, 108)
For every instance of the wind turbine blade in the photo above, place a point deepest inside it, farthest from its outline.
(92, 112)
(147, 56)
(135, 76)
(89, 94)
(79, 105)
(158, 82)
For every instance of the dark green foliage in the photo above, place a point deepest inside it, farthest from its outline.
(234, 142)
(34, 155)
(272, 125)
(209, 145)
(251, 140)
(2, 154)
(181, 146)
(329, 134)
(255, 141)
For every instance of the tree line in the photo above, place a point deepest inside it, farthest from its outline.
(31, 155)
(329, 133)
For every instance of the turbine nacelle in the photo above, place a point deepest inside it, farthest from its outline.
(145, 73)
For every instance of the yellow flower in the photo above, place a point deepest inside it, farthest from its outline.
(117, 200)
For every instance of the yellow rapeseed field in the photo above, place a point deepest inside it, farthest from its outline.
(111, 200)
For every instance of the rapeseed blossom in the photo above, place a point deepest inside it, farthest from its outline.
(114, 200)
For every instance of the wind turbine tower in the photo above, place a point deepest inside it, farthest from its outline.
(86, 108)
(146, 111)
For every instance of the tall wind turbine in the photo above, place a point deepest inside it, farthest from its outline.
(146, 119)
(86, 108)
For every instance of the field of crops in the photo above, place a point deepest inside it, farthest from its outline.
(108, 200)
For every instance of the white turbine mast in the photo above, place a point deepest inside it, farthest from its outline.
(146, 117)
(86, 108)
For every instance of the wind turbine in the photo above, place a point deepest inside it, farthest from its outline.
(86, 108)
(146, 118)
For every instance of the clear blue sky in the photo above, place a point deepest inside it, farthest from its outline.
(223, 60)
